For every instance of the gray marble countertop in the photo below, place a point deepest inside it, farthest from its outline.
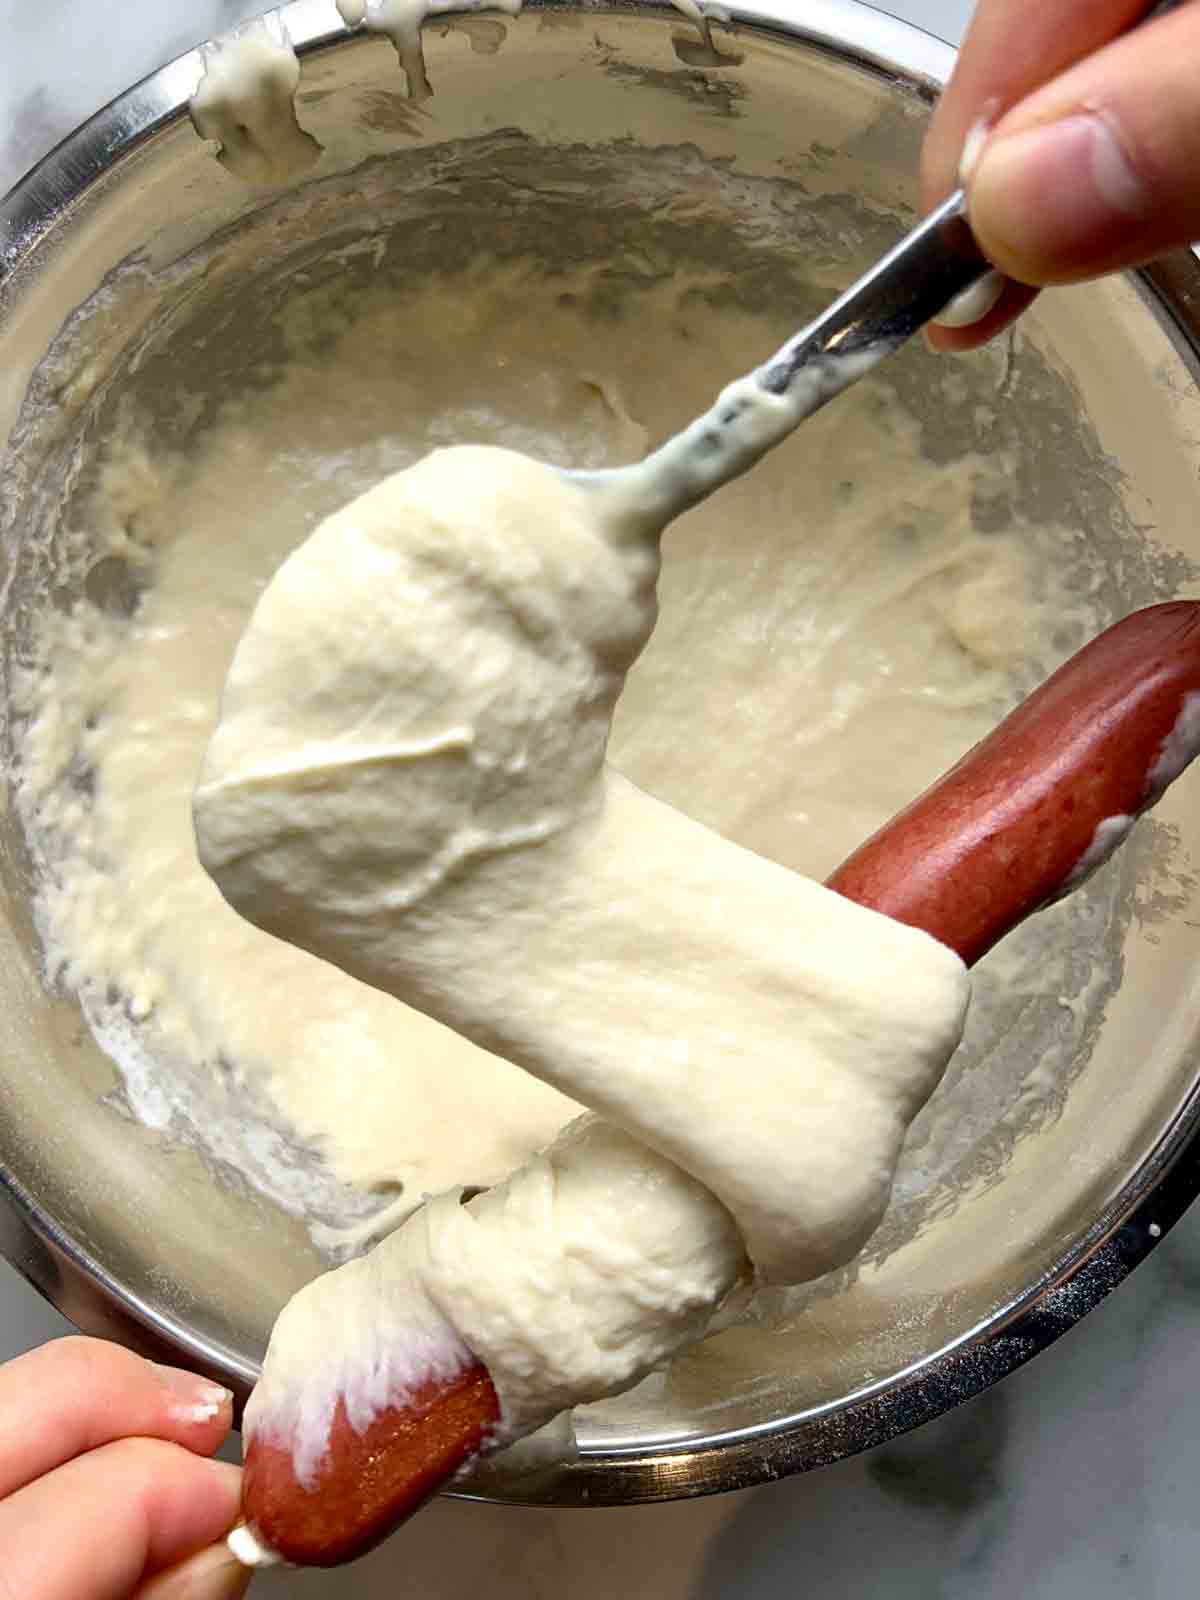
(1077, 1479)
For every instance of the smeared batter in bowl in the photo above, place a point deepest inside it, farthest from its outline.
(834, 630)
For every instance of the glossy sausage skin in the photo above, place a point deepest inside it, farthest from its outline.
(1000, 835)
(371, 1481)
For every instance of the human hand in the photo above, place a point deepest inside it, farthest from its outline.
(106, 1492)
(1090, 142)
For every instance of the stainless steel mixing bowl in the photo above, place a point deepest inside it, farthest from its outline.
(803, 138)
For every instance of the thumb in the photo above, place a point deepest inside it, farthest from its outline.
(212, 1574)
(1096, 171)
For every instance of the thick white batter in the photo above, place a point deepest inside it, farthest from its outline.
(854, 643)
(246, 100)
(853, 648)
(592, 1264)
(401, 22)
(408, 779)
(246, 103)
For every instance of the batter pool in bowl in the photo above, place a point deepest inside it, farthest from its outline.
(835, 629)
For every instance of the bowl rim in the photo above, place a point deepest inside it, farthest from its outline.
(1129, 1227)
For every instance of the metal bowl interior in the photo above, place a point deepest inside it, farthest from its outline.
(803, 139)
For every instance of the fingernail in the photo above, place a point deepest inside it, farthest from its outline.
(977, 137)
(973, 304)
(1052, 203)
(213, 1574)
(194, 1399)
(243, 1543)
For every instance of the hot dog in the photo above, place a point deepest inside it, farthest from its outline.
(1021, 820)
(369, 1482)
(1039, 804)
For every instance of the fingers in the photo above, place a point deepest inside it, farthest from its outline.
(76, 1394)
(213, 1574)
(1097, 170)
(1105, 180)
(1014, 298)
(103, 1523)
(99, 1491)
(1012, 47)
